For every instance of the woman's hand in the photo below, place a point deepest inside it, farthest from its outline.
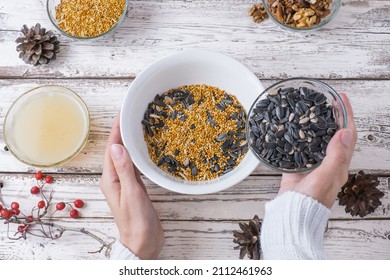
(138, 223)
(325, 182)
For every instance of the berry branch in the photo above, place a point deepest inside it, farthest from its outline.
(39, 222)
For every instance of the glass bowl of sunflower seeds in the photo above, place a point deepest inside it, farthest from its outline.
(183, 121)
(302, 15)
(291, 123)
(86, 20)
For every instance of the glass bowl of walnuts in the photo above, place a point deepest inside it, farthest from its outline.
(302, 15)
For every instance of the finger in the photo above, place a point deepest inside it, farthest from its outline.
(115, 135)
(330, 176)
(109, 182)
(114, 138)
(138, 176)
(340, 149)
(350, 116)
(124, 168)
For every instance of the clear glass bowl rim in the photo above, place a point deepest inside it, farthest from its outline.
(326, 20)
(335, 95)
(112, 29)
(78, 99)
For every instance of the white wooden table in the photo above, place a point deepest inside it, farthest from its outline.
(352, 54)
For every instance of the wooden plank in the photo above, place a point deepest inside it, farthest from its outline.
(153, 29)
(104, 97)
(343, 240)
(240, 202)
(189, 240)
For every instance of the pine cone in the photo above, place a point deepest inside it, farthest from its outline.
(37, 46)
(248, 240)
(360, 195)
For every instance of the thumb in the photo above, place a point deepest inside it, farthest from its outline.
(124, 166)
(338, 157)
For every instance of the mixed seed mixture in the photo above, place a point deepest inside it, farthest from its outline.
(291, 128)
(300, 13)
(88, 18)
(195, 132)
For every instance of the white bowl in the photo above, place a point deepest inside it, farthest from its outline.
(186, 68)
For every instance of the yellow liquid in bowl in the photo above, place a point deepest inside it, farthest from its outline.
(47, 128)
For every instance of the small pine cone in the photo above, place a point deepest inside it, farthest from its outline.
(37, 46)
(359, 195)
(248, 240)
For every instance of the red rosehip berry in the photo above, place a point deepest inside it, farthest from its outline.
(60, 206)
(74, 213)
(4, 213)
(39, 175)
(1, 207)
(29, 219)
(49, 179)
(17, 212)
(21, 228)
(78, 203)
(14, 205)
(35, 190)
(11, 213)
(41, 204)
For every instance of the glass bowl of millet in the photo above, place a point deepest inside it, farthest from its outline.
(86, 20)
(291, 123)
(302, 15)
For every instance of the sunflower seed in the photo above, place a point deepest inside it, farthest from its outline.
(285, 164)
(280, 133)
(221, 106)
(327, 138)
(194, 171)
(304, 120)
(263, 104)
(289, 138)
(286, 90)
(268, 145)
(320, 99)
(298, 159)
(320, 125)
(221, 137)
(332, 125)
(257, 117)
(146, 123)
(279, 112)
(301, 104)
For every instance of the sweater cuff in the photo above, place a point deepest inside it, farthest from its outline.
(120, 252)
(293, 227)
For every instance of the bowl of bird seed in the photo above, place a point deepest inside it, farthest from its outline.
(183, 121)
(291, 123)
(302, 15)
(86, 19)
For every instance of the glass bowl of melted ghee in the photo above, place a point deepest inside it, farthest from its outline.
(46, 126)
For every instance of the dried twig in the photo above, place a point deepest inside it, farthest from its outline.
(40, 221)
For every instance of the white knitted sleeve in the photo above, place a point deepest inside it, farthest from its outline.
(120, 252)
(293, 227)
